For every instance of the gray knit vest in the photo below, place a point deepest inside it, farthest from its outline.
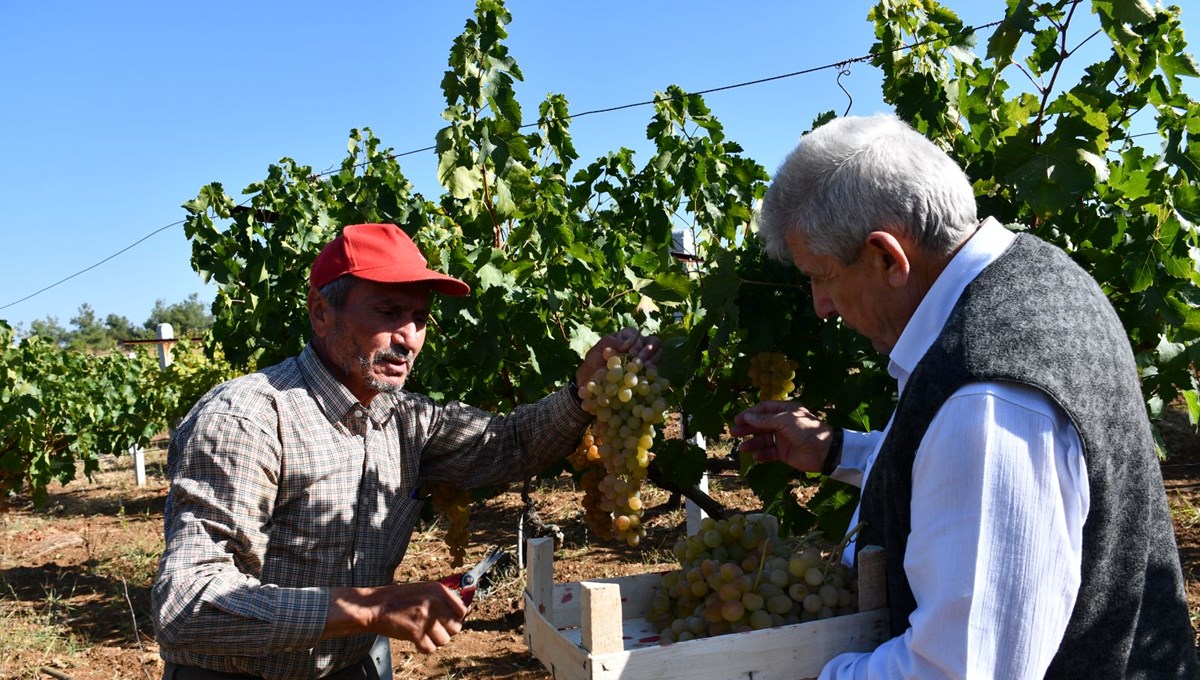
(1034, 317)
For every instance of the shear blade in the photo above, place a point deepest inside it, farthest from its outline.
(489, 570)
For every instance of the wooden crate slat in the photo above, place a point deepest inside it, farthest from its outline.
(564, 659)
(636, 595)
(601, 607)
(785, 653)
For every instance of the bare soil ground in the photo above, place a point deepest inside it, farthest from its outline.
(75, 573)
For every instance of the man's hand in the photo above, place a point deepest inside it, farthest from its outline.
(783, 430)
(627, 341)
(427, 613)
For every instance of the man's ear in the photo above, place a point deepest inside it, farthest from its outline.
(320, 313)
(890, 256)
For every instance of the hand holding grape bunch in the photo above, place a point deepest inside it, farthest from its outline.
(628, 341)
(618, 383)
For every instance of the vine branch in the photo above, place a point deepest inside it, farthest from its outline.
(1063, 53)
(693, 493)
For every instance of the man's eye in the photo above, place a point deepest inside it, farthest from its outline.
(391, 314)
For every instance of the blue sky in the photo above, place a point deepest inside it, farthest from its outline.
(116, 113)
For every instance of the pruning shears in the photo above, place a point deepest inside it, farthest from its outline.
(468, 583)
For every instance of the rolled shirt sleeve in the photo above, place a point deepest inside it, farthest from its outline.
(858, 452)
(472, 448)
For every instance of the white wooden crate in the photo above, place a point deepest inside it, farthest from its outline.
(596, 630)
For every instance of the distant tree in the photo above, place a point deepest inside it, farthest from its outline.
(188, 318)
(121, 328)
(50, 330)
(93, 335)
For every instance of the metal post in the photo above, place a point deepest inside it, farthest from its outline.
(521, 541)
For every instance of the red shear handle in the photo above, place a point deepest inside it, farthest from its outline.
(454, 583)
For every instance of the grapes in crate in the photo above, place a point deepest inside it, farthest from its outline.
(735, 576)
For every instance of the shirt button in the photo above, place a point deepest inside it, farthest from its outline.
(358, 413)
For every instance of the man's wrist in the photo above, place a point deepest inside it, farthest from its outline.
(573, 388)
(350, 611)
(834, 456)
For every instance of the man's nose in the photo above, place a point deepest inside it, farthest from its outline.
(823, 305)
(403, 332)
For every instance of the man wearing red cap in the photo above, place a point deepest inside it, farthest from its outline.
(293, 489)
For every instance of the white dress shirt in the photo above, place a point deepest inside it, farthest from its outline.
(999, 498)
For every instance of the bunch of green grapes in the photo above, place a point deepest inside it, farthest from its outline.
(735, 577)
(455, 505)
(626, 396)
(772, 373)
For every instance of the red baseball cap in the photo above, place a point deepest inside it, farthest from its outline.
(379, 252)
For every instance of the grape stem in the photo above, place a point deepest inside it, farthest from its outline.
(526, 499)
(762, 562)
(836, 555)
(529, 514)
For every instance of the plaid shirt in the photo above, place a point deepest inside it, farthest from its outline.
(283, 485)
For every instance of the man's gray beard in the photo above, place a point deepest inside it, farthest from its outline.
(381, 386)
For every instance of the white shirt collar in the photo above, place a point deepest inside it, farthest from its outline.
(988, 242)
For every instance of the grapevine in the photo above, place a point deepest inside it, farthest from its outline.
(626, 396)
(773, 374)
(60, 410)
(735, 576)
(530, 232)
(455, 505)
